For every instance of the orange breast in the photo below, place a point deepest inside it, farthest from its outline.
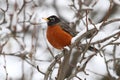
(57, 37)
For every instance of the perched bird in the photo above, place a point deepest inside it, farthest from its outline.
(59, 34)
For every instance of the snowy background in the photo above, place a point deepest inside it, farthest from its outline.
(23, 44)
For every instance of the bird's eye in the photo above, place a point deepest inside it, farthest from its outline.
(52, 19)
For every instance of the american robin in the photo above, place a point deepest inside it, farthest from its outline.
(59, 34)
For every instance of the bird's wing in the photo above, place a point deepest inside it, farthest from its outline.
(66, 28)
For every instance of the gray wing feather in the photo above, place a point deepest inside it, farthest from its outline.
(66, 27)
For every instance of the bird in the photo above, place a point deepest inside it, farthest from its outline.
(58, 33)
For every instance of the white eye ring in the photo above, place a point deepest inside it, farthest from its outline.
(52, 19)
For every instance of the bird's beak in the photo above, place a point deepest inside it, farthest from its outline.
(45, 19)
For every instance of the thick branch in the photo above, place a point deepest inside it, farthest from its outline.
(62, 73)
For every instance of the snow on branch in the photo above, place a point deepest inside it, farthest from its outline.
(84, 33)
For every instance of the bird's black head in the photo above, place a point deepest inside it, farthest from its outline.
(52, 20)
